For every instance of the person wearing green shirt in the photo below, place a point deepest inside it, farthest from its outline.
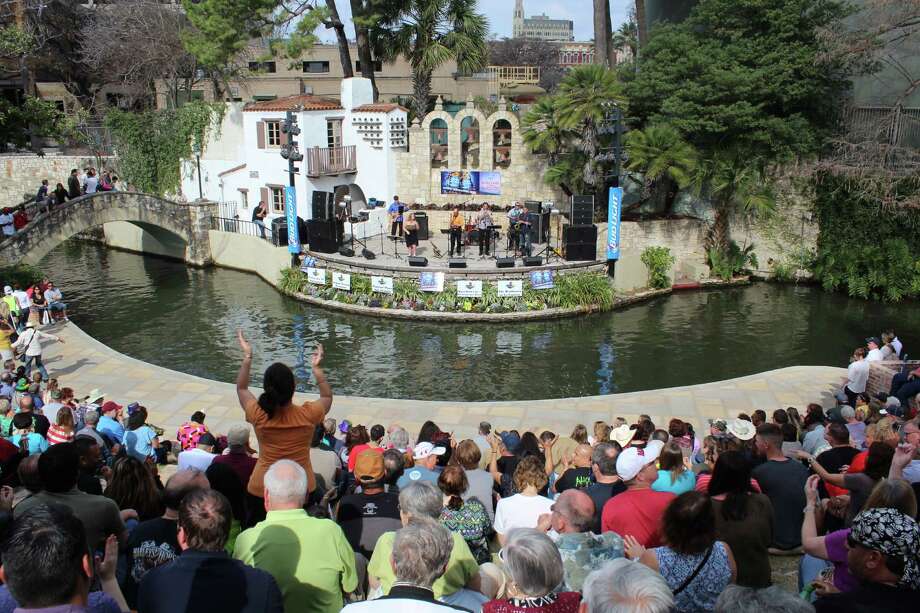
(309, 557)
(422, 501)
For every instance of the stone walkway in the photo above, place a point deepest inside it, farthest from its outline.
(171, 397)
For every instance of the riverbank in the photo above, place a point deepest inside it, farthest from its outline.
(171, 397)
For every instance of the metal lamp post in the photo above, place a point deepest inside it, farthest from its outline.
(197, 150)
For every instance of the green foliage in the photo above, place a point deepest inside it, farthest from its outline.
(152, 144)
(660, 152)
(33, 113)
(23, 274)
(15, 42)
(885, 269)
(659, 261)
(744, 74)
(728, 264)
(570, 292)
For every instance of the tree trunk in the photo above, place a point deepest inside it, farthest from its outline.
(344, 52)
(642, 25)
(363, 40)
(608, 31)
(601, 38)
(28, 90)
(421, 92)
(718, 238)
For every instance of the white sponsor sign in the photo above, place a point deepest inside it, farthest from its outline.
(341, 280)
(510, 287)
(382, 285)
(317, 276)
(469, 289)
(431, 281)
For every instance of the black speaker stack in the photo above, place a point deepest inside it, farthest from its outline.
(322, 235)
(580, 242)
(422, 219)
(323, 205)
(582, 210)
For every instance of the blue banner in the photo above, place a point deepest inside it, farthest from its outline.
(290, 212)
(614, 210)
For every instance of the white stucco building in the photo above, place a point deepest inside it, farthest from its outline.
(349, 148)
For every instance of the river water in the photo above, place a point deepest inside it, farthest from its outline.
(186, 319)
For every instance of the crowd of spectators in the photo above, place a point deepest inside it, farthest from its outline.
(330, 514)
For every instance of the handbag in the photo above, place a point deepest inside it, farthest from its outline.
(695, 572)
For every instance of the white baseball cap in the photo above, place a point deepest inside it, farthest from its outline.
(633, 459)
(423, 450)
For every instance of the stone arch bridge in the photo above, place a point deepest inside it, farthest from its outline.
(185, 226)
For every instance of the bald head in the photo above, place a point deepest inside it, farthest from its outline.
(25, 403)
(582, 457)
(575, 509)
(180, 484)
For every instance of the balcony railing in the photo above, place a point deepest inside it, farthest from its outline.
(331, 160)
(515, 74)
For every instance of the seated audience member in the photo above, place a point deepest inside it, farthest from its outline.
(421, 503)
(791, 444)
(201, 456)
(523, 509)
(91, 420)
(133, 486)
(813, 441)
(91, 465)
(856, 426)
(309, 557)
(221, 478)
(480, 481)
(62, 430)
(582, 551)
(365, 516)
(327, 466)
(744, 519)
(782, 480)
(740, 599)
(204, 577)
(426, 458)
(59, 468)
(696, 566)
(883, 547)
(394, 463)
(420, 556)
(466, 517)
(25, 437)
(399, 439)
(356, 441)
(673, 475)
(47, 568)
(154, 542)
(622, 586)
(534, 567)
(189, 432)
(110, 422)
(840, 454)
(606, 482)
(140, 441)
(238, 456)
(637, 512)
(577, 475)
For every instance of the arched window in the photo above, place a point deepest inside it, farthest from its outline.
(469, 139)
(501, 143)
(439, 143)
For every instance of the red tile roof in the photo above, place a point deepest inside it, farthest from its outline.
(290, 103)
(379, 108)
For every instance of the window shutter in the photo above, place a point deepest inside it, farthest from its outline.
(260, 134)
(264, 197)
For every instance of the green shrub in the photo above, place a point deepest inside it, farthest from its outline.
(23, 274)
(735, 261)
(885, 271)
(659, 261)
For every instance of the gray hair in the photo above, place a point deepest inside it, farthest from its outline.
(421, 500)
(737, 599)
(847, 412)
(624, 586)
(400, 438)
(533, 561)
(606, 463)
(286, 482)
(421, 551)
(91, 418)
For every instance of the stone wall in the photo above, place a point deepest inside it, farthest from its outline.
(22, 174)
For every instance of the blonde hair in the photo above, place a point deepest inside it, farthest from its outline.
(529, 471)
(601, 431)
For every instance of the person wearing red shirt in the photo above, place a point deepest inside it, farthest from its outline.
(20, 219)
(637, 512)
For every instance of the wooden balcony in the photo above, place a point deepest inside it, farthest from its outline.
(505, 75)
(324, 161)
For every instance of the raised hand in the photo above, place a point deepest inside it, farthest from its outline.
(318, 355)
(244, 344)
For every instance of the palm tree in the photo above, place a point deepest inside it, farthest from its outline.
(602, 31)
(661, 154)
(543, 133)
(430, 32)
(627, 37)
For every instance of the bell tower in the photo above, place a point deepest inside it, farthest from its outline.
(517, 27)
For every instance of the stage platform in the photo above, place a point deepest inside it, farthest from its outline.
(476, 267)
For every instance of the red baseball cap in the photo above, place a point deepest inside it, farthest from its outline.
(111, 405)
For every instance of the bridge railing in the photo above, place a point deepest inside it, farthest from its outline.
(241, 226)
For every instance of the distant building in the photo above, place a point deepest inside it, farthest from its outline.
(540, 26)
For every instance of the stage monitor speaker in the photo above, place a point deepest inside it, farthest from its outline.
(322, 236)
(504, 263)
(348, 252)
(422, 219)
(579, 235)
(456, 263)
(368, 254)
(581, 252)
(534, 206)
(533, 261)
(582, 210)
(418, 261)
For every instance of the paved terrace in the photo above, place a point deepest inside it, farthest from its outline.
(171, 397)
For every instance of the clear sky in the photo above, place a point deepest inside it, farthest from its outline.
(500, 12)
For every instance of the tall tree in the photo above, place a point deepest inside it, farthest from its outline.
(334, 22)
(602, 32)
(642, 23)
(529, 52)
(429, 33)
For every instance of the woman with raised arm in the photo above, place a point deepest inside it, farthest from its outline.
(282, 427)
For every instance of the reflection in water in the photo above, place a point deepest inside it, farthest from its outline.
(186, 319)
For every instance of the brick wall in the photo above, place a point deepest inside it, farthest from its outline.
(22, 174)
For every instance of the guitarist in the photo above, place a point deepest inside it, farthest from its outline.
(395, 211)
(514, 229)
